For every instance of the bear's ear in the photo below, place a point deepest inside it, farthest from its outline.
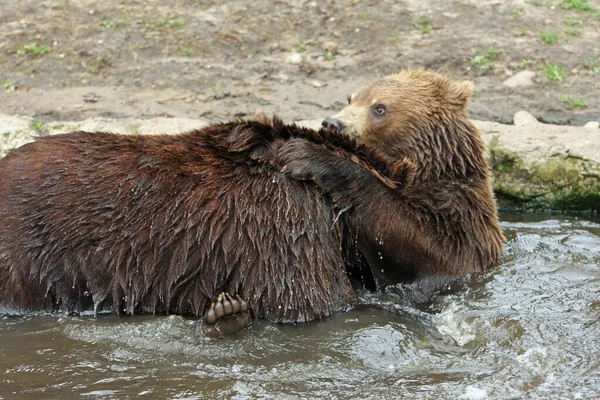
(461, 92)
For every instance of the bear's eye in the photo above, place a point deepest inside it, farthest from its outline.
(379, 109)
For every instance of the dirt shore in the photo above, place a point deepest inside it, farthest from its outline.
(70, 60)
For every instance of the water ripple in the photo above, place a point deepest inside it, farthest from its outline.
(529, 328)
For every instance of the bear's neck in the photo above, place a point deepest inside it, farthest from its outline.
(446, 148)
(452, 184)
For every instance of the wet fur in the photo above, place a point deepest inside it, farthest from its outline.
(442, 220)
(164, 223)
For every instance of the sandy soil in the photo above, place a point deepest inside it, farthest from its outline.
(65, 60)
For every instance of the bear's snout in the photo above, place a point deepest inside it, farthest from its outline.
(333, 124)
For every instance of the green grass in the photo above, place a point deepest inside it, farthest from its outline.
(485, 60)
(549, 37)
(573, 32)
(579, 5)
(481, 61)
(103, 60)
(178, 23)
(424, 24)
(525, 63)
(37, 125)
(108, 24)
(7, 85)
(554, 72)
(366, 16)
(493, 54)
(34, 49)
(302, 47)
(573, 102)
(156, 23)
(572, 21)
(186, 53)
(590, 63)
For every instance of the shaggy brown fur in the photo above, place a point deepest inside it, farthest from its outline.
(164, 223)
(443, 221)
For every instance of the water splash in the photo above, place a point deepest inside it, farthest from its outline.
(529, 328)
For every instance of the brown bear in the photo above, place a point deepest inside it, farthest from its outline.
(442, 220)
(167, 223)
(164, 224)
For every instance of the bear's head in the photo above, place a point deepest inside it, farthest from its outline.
(417, 115)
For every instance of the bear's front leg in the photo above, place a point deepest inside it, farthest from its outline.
(343, 179)
(226, 315)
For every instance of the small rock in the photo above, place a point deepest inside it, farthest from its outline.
(523, 118)
(220, 95)
(592, 125)
(520, 79)
(451, 15)
(90, 97)
(547, 21)
(331, 47)
(317, 84)
(294, 58)
(570, 48)
(240, 92)
(306, 68)
(281, 77)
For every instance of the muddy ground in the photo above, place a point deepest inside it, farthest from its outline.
(69, 60)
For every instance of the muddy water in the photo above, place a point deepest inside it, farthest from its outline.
(528, 329)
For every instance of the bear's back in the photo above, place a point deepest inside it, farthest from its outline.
(162, 224)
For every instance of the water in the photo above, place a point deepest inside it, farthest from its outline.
(528, 329)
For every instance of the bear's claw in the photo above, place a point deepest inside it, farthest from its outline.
(225, 316)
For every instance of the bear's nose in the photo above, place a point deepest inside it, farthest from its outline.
(333, 124)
